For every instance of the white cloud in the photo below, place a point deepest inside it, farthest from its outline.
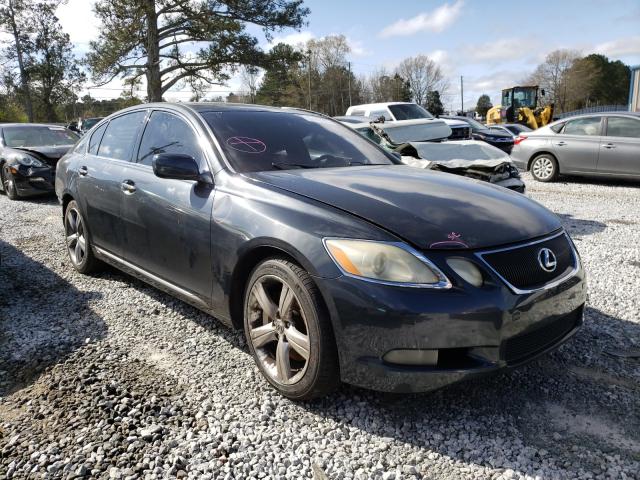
(435, 21)
(621, 47)
(294, 39)
(500, 50)
(79, 21)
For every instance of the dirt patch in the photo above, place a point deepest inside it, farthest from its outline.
(592, 425)
(602, 377)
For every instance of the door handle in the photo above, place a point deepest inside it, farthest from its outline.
(128, 186)
(609, 145)
(83, 170)
(561, 144)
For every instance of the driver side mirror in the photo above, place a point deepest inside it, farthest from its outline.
(178, 166)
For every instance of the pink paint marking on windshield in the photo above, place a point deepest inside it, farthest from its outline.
(246, 144)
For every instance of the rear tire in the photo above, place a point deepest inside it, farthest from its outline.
(288, 331)
(544, 168)
(78, 241)
(9, 184)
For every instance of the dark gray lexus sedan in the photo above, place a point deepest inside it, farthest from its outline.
(340, 264)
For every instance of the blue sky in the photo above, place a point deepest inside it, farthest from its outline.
(493, 44)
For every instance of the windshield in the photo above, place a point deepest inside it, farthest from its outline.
(422, 132)
(458, 151)
(38, 136)
(255, 141)
(524, 97)
(476, 125)
(90, 122)
(409, 111)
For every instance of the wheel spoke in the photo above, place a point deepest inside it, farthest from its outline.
(286, 299)
(298, 341)
(72, 238)
(262, 335)
(282, 360)
(72, 221)
(82, 243)
(264, 301)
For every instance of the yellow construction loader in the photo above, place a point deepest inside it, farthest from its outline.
(520, 105)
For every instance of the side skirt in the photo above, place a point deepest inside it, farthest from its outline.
(157, 282)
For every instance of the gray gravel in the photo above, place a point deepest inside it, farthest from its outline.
(105, 377)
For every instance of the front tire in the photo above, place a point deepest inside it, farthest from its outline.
(78, 240)
(288, 331)
(9, 184)
(544, 168)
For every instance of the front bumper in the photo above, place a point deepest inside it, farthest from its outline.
(477, 331)
(33, 181)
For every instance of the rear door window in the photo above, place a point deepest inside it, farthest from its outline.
(96, 136)
(583, 126)
(623, 127)
(120, 136)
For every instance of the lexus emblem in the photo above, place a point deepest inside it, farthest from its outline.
(547, 260)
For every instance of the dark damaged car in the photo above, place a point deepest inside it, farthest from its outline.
(339, 263)
(28, 157)
(426, 144)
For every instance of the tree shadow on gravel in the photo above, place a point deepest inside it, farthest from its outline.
(580, 227)
(43, 318)
(577, 399)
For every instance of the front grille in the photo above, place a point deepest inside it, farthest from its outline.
(518, 348)
(460, 133)
(520, 267)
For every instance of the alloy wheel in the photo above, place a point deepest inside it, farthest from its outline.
(8, 184)
(278, 330)
(75, 236)
(543, 168)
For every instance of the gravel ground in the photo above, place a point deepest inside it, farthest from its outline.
(105, 377)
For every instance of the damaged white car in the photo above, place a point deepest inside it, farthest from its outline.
(423, 144)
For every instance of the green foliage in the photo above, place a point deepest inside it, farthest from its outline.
(54, 72)
(483, 105)
(11, 110)
(607, 82)
(281, 82)
(434, 103)
(42, 72)
(147, 37)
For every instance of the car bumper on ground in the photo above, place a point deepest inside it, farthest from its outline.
(476, 331)
(33, 181)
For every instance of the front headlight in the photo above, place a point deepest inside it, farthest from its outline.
(28, 161)
(389, 263)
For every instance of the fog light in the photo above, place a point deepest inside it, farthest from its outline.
(412, 357)
(467, 271)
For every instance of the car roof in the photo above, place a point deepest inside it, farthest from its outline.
(415, 121)
(599, 114)
(201, 107)
(381, 104)
(29, 125)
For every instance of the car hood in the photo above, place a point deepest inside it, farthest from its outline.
(428, 209)
(50, 155)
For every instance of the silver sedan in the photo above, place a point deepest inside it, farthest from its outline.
(603, 144)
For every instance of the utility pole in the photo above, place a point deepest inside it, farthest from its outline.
(309, 77)
(461, 95)
(349, 66)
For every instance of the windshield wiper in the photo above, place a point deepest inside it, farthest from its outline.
(284, 165)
